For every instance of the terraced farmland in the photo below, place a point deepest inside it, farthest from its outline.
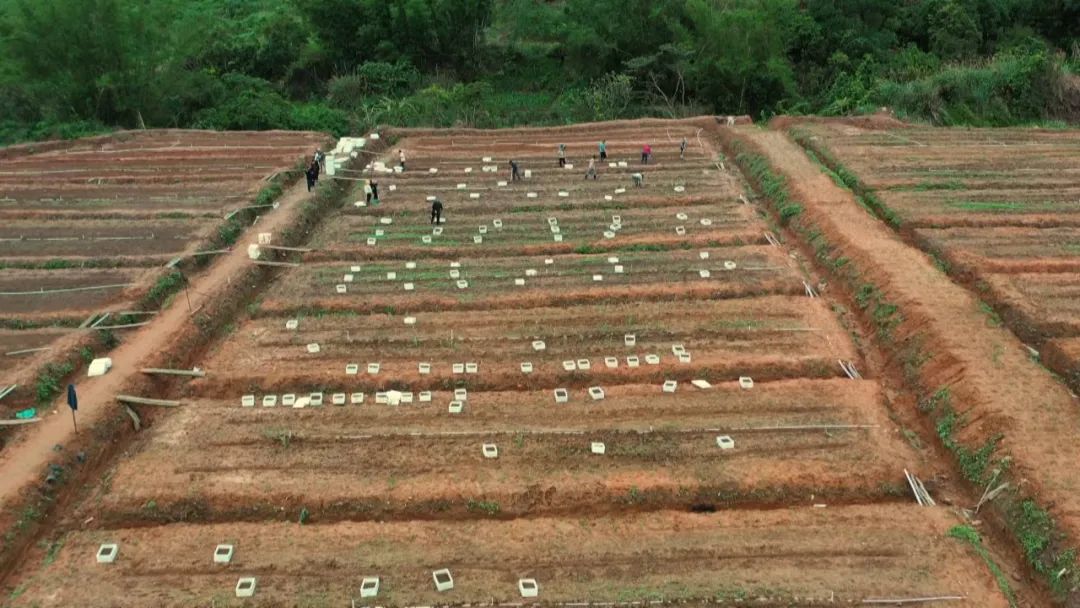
(628, 395)
(999, 207)
(89, 226)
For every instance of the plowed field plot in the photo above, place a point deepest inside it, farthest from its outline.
(88, 227)
(621, 417)
(1000, 207)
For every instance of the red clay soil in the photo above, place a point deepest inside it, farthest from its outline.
(771, 558)
(21, 464)
(993, 382)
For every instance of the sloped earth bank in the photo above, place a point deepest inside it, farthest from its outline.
(1002, 415)
(784, 491)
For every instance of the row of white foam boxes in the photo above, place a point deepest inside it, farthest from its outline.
(456, 406)
(491, 450)
(369, 585)
(317, 399)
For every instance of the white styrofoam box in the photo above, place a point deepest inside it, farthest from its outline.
(652, 359)
(703, 255)
(424, 396)
(98, 367)
(482, 229)
(247, 401)
(474, 195)
(410, 320)
(561, 395)
(458, 368)
(558, 238)
(409, 287)
(472, 368)
(462, 284)
(596, 392)
(702, 384)
(424, 368)
(609, 234)
(630, 339)
(381, 398)
(528, 587)
(462, 186)
(380, 232)
(563, 193)
(501, 183)
(426, 239)
(680, 189)
(633, 361)
(288, 400)
(725, 442)
(684, 357)
(348, 278)
(315, 399)
(107, 553)
(433, 170)
(461, 394)
(352, 369)
(620, 190)
(526, 367)
(531, 194)
(706, 221)
(477, 239)
(552, 220)
(391, 276)
(372, 240)
(598, 277)
(681, 216)
(569, 365)
(584, 364)
(670, 386)
(369, 586)
(338, 399)
(531, 272)
(729, 265)
(245, 587)
(410, 265)
(608, 197)
(490, 450)
(703, 273)
(443, 580)
(618, 269)
(497, 223)
(680, 230)
(456, 407)
(292, 324)
(253, 251)
(746, 382)
(386, 220)
(373, 368)
(597, 447)
(430, 199)
(269, 400)
(223, 554)
(340, 288)
(519, 282)
(549, 261)
(455, 273)
(406, 397)
(356, 398)
(538, 345)
(611, 361)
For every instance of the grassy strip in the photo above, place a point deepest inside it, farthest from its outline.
(1045, 545)
(971, 536)
(848, 180)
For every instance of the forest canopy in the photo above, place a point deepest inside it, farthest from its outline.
(69, 67)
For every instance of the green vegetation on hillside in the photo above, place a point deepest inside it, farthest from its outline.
(72, 67)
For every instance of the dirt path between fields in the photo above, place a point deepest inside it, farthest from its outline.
(24, 461)
(995, 388)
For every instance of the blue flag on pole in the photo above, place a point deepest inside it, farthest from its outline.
(73, 400)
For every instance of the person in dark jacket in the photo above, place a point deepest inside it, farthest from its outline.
(436, 211)
(312, 175)
(515, 175)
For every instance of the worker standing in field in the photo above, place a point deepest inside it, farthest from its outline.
(312, 175)
(562, 155)
(515, 175)
(682, 149)
(320, 158)
(591, 171)
(401, 158)
(368, 191)
(375, 191)
(639, 180)
(603, 150)
(646, 153)
(436, 211)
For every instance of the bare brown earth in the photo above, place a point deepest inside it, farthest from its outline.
(996, 388)
(810, 506)
(109, 213)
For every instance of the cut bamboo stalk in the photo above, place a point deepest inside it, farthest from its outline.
(147, 401)
(283, 248)
(26, 351)
(125, 326)
(269, 263)
(198, 373)
(915, 600)
(19, 422)
(7, 390)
